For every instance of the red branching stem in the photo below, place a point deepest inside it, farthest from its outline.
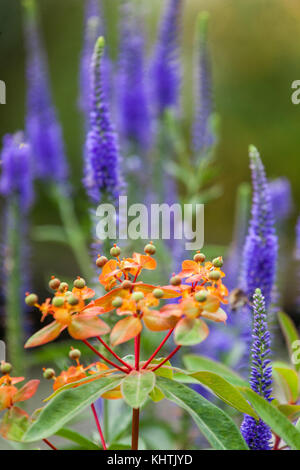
(166, 359)
(135, 277)
(158, 348)
(49, 444)
(98, 426)
(277, 442)
(137, 342)
(103, 357)
(114, 354)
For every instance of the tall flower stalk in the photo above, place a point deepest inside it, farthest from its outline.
(203, 136)
(16, 187)
(256, 433)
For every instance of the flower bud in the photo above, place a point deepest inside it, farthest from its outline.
(201, 296)
(150, 249)
(31, 299)
(136, 296)
(175, 280)
(74, 354)
(117, 302)
(58, 301)
(54, 283)
(115, 251)
(79, 283)
(126, 284)
(214, 275)
(64, 286)
(5, 367)
(199, 258)
(218, 262)
(72, 299)
(101, 261)
(49, 374)
(158, 293)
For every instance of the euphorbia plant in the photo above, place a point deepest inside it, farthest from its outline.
(193, 294)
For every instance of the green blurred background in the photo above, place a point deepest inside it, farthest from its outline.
(255, 46)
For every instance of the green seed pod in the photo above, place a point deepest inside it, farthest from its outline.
(218, 262)
(31, 300)
(115, 251)
(158, 293)
(175, 281)
(214, 275)
(126, 284)
(201, 296)
(5, 367)
(136, 296)
(58, 301)
(49, 374)
(79, 283)
(72, 299)
(64, 286)
(117, 302)
(74, 354)
(199, 258)
(101, 261)
(150, 249)
(54, 283)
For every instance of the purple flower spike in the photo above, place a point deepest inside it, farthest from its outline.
(16, 177)
(165, 70)
(133, 101)
(42, 128)
(281, 198)
(203, 137)
(260, 250)
(102, 160)
(256, 433)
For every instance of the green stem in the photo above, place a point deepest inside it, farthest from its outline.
(73, 232)
(14, 305)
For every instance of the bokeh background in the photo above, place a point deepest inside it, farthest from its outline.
(256, 56)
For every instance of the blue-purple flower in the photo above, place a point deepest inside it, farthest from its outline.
(203, 137)
(260, 250)
(165, 69)
(16, 174)
(281, 198)
(102, 160)
(256, 433)
(43, 130)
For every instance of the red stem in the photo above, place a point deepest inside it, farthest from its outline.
(113, 353)
(103, 357)
(137, 342)
(135, 429)
(49, 444)
(277, 442)
(166, 359)
(158, 349)
(98, 426)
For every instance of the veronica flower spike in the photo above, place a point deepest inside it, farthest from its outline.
(256, 433)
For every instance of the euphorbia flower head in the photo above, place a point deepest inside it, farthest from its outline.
(9, 394)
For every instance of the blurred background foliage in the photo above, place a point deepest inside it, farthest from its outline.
(256, 56)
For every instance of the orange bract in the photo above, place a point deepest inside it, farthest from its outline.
(9, 394)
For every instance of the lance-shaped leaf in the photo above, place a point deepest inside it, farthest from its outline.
(279, 424)
(288, 380)
(74, 436)
(136, 386)
(189, 331)
(292, 412)
(217, 427)
(66, 405)
(225, 391)
(125, 329)
(291, 335)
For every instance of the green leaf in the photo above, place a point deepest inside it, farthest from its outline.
(290, 333)
(217, 427)
(225, 391)
(279, 424)
(288, 379)
(74, 436)
(191, 331)
(14, 424)
(66, 405)
(292, 412)
(200, 363)
(157, 395)
(136, 386)
(49, 233)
